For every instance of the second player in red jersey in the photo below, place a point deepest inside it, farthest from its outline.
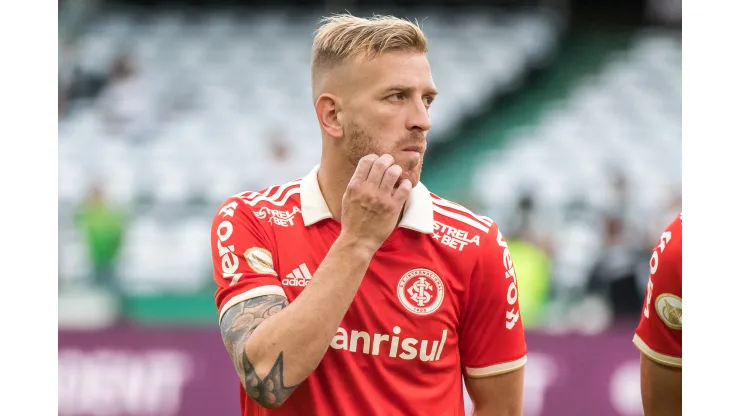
(355, 290)
(658, 335)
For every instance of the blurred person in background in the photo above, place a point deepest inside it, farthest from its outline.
(664, 215)
(103, 226)
(622, 201)
(129, 101)
(67, 66)
(281, 161)
(620, 194)
(75, 84)
(622, 205)
(616, 272)
(61, 102)
(658, 335)
(576, 245)
(528, 247)
(438, 300)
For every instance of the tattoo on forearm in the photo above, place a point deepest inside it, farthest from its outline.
(270, 391)
(237, 326)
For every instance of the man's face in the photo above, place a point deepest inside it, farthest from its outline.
(386, 109)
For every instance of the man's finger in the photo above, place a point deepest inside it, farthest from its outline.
(378, 169)
(364, 166)
(403, 191)
(390, 178)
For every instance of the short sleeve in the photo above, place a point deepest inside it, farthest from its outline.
(492, 337)
(658, 335)
(243, 257)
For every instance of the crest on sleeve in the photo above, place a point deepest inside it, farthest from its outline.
(260, 260)
(669, 308)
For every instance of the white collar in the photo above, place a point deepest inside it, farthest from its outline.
(418, 214)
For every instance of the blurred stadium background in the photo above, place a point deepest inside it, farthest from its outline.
(559, 119)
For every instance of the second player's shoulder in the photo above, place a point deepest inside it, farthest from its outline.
(658, 334)
(676, 228)
(458, 227)
(668, 248)
(666, 259)
(673, 233)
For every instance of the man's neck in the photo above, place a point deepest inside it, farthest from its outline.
(333, 181)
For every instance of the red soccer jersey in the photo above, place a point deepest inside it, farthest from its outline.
(439, 299)
(658, 335)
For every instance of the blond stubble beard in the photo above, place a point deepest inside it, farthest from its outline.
(361, 144)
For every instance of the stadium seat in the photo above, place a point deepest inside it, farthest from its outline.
(242, 76)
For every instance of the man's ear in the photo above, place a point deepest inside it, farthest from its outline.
(328, 109)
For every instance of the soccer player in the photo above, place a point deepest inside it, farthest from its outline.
(354, 290)
(658, 335)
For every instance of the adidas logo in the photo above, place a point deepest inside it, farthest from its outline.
(299, 277)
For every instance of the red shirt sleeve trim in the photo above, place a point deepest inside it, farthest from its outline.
(249, 294)
(655, 355)
(496, 369)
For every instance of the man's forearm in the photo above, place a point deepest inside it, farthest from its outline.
(274, 356)
(302, 332)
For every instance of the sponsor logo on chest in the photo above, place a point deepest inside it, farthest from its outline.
(392, 346)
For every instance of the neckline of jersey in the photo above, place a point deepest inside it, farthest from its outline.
(336, 227)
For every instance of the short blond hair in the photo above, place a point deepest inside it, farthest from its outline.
(343, 36)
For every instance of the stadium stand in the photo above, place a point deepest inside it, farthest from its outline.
(626, 116)
(209, 91)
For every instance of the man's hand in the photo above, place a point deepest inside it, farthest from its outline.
(372, 204)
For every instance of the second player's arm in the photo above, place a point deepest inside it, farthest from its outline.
(273, 356)
(660, 343)
(661, 388)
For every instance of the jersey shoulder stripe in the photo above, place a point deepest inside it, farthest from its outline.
(451, 210)
(277, 195)
(457, 207)
(269, 192)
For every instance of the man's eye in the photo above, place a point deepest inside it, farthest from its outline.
(396, 96)
(428, 100)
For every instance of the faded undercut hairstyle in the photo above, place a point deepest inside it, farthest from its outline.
(343, 36)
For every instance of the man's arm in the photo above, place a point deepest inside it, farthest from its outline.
(498, 395)
(275, 345)
(236, 327)
(661, 388)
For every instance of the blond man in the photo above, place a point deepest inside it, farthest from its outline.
(355, 290)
